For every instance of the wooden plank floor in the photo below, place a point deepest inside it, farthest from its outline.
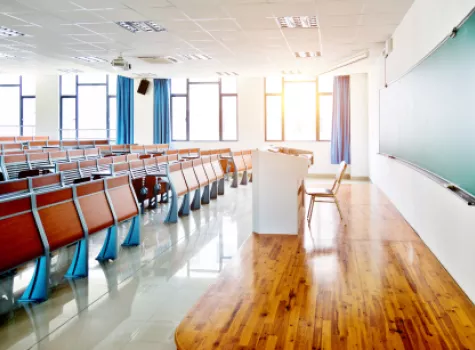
(371, 284)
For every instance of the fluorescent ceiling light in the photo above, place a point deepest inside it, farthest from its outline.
(70, 71)
(4, 55)
(350, 60)
(195, 57)
(309, 22)
(91, 59)
(307, 54)
(141, 26)
(229, 74)
(291, 72)
(4, 31)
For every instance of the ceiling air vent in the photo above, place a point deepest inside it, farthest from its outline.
(91, 59)
(141, 27)
(227, 74)
(159, 59)
(70, 71)
(291, 72)
(308, 54)
(195, 57)
(308, 22)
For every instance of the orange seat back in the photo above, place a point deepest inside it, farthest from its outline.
(13, 186)
(175, 176)
(119, 159)
(217, 167)
(131, 157)
(189, 175)
(122, 197)
(172, 158)
(45, 181)
(172, 151)
(238, 161)
(200, 172)
(209, 168)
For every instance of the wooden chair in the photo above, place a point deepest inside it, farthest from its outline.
(119, 159)
(218, 170)
(92, 153)
(44, 183)
(76, 155)
(12, 147)
(325, 195)
(23, 138)
(100, 143)
(137, 149)
(87, 167)
(58, 157)
(70, 144)
(40, 138)
(37, 144)
(178, 188)
(120, 149)
(211, 175)
(238, 166)
(7, 139)
(30, 151)
(104, 149)
(119, 169)
(171, 152)
(104, 163)
(38, 159)
(151, 149)
(70, 172)
(131, 157)
(145, 186)
(13, 188)
(202, 180)
(12, 165)
(192, 184)
(172, 158)
(54, 143)
(86, 143)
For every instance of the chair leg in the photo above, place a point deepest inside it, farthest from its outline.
(196, 203)
(133, 236)
(221, 186)
(79, 265)
(310, 208)
(172, 216)
(37, 290)
(109, 249)
(339, 209)
(244, 178)
(235, 179)
(185, 206)
(214, 190)
(205, 196)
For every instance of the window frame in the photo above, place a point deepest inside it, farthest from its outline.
(22, 98)
(187, 119)
(76, 97)
(282, 101)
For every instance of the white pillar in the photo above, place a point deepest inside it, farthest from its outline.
(47, 106)
(143, 115)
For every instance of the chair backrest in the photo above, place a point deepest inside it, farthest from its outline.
(95, 207)
(163, 146)
(171, 152)
(40, 138)
(119, 159)
(87, 167)
(70, 172)
(238, 161)
(12, 165)
(132, 156)
(225, 151)
(54, 143)
(119, 169)
(150, 148)
(104, 149)
(137, 149)
(194, 151)
(86, 143)
(71, 144)
(59, 217)
(58, 157)
(210, 174)
(37, 144)
(176, 178)
(172, 158)
(7, 138)
(339, 177)
(13, 188)
(76, 154)
(38, 159)
(206, 153)
(137, 169)
(20, 240)
(247, 158)
(122, 197)
(101, 142)
(217, 166)
(23, 138)
(150, 164)
(12, 147)
(92, 153)
(120, 148)
(104, 163)
(51, 149)
(184, 151)
(200, 172)
(189, 175)
(34, 150)
(45, 182)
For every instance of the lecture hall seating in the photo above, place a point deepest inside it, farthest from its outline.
(211, 175)
(178, 189)
(202, 180)
(192, 184)
(238, 166)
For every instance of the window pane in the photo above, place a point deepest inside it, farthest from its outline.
(229, 118)
(325, 83)
(68, 112)
(204, 112)
(28, 85)
(29, 116)
(229, 85)
(326, 111)
(68, 84)
(113, 85)
(8, 79)
(273, 118)
(91, 78)
(92, 112)
(178, 86)
(300, 111)
(205, 80)
(299, 77)
(274, 85)
(178, 118)
(113, 118)
(10, 115)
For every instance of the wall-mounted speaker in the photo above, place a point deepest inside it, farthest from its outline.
(143, 86)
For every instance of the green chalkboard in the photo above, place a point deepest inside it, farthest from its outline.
(428, 116)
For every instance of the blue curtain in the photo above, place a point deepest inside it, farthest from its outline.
(341, 140)
(161, 111)
(125, 110)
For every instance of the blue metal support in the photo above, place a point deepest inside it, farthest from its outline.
(109, 249)
(133, 237)
(214, 190)
(221, 186)
(185, 206)
(37, 290)
(244, 178)
(172, 215)
(235, 179)
(79, 265)
(205, 197)
(196, 204)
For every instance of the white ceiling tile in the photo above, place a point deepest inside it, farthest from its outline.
(197, 35)
(340, 21)
(146, 3)
(116, 15)
(162, 14)
(79, 16)
(220, 24)
(374, 34)
(381, 19)
(11, 20)
(180, 26)
(102, 4)
(66, 29)
(257, 24)
(107, 27)
(340, 8)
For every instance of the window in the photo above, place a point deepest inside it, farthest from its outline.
(88, 106)
(204, 110)
(299, 108)
(17, 98)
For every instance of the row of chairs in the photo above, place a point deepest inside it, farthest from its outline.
(36, 184)
(36, 224)
(23, 138)
(240, 162)
(124, 149)
(12, 165)
(8, 147)
(32, 150)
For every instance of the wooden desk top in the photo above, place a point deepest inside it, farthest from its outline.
(372, 284)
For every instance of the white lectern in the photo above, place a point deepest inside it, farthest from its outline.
(278, 192)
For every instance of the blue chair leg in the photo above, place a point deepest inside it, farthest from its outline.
(185, 206)
(109, 249)
(244, 178)
(133, 237)
(164, 197)
(205, 197)
(221, 186)
(214, 190)
(228, 169)
(172, 215)
(37, 290)
(79, 265)
(196, 204)
(235, 180)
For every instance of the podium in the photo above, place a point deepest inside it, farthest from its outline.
(278, 192)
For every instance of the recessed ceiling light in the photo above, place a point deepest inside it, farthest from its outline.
(308, 54)
(91, 59)
(4, 31)
(195, 57)
(309, 22)
(145, 75)
(70, 71)
(229, 74)
(141, 26)
(4, 55)
(291, 72)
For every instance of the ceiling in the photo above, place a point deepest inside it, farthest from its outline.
(241, 36)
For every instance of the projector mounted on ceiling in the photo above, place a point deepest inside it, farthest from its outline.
(120, 64)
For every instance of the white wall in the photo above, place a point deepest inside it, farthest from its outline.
(444, 222)
(251, 125)
(47, 106)
(143, 115)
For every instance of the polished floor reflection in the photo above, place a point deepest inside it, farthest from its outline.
(137, 301)
(369, 284)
